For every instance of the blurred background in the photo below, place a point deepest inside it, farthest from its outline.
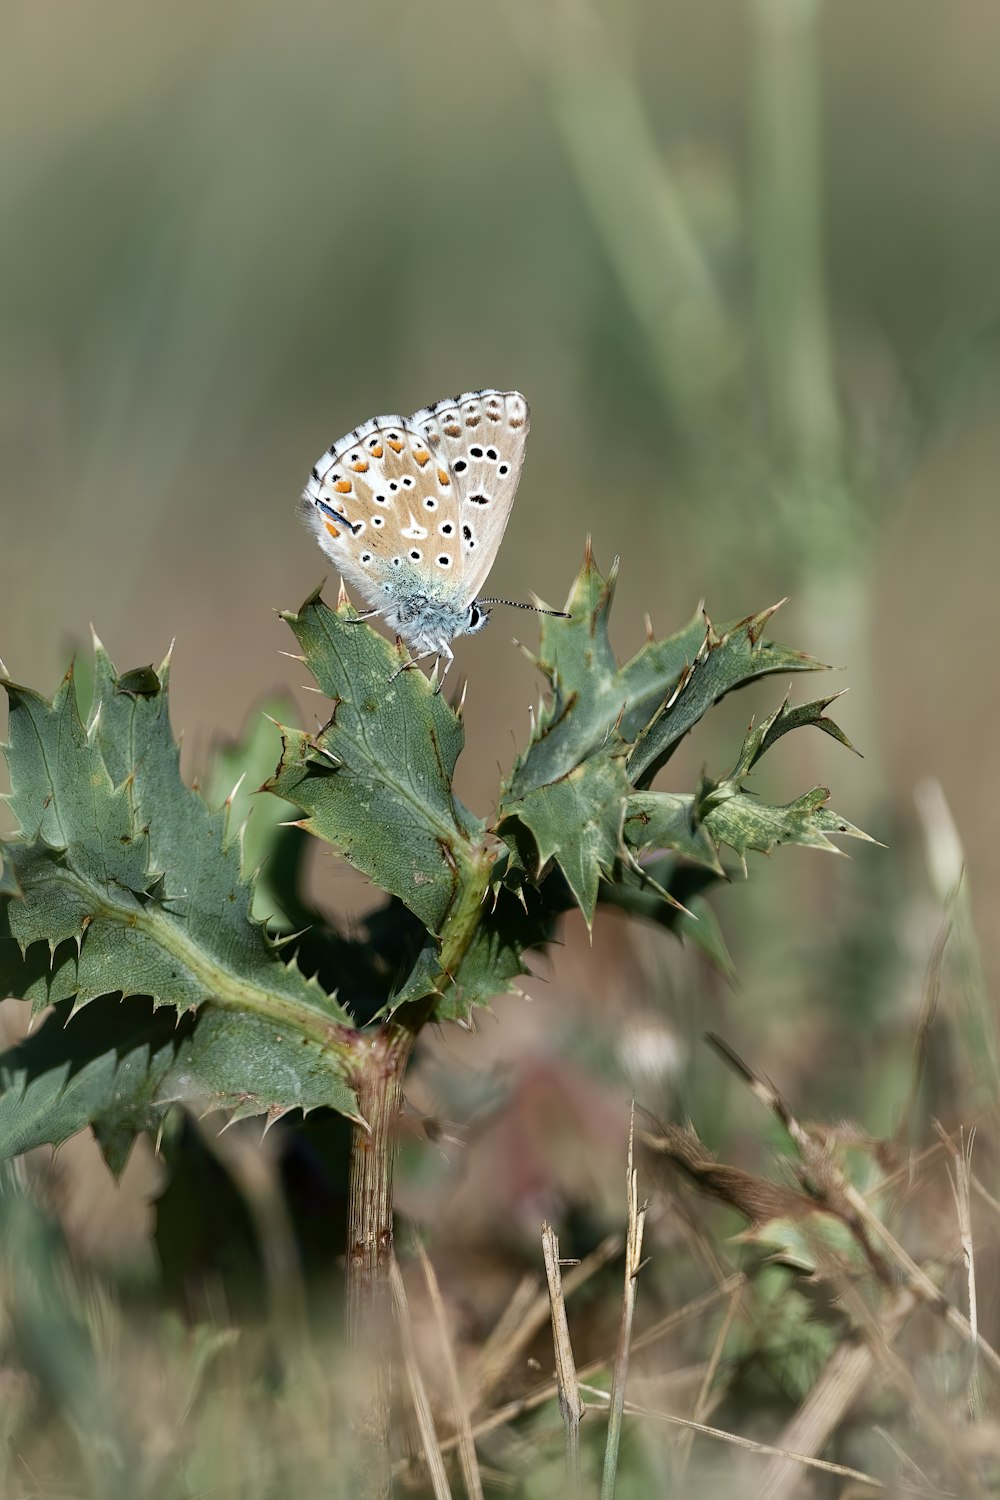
(742, 261)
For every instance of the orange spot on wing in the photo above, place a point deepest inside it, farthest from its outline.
(396, 447)
(361, 467)
(443, 477)
(421, 455)
(343, 486)
(332, 529)
(377, 451)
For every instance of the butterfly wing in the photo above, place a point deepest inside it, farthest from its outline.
(402, 505)
(479, 440)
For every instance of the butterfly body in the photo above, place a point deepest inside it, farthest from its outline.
(412, 511)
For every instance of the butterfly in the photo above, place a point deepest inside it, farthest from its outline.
(412, 511)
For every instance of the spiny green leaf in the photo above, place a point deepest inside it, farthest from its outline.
(592, 697)
(577, 822)
(376, 781)
(122, 880)
(744, 822)
(667, 820)
(117, 1066)
(761, 737)
(726, 661)
(489, 967)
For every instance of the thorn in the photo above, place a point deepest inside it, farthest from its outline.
(293, 656)
(342, 598)
(649, 628)
(588, 552)
(232, 795)
(755, 624)
(335, 760)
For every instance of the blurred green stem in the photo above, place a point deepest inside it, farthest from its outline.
(636, 209)
(791, 318)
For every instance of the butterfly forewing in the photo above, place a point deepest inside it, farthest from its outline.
(402, 505)
(479, 440)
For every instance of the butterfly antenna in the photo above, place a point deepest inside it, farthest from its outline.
(557, 614)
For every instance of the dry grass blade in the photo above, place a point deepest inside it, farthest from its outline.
(523, 1319)
(418, 1391)
(531, 1400)
(962, 1188)
(506, 1342)
(633, 1261)
(463, 1426)
(702, 1403)
(803, 1459)
(570, 1401)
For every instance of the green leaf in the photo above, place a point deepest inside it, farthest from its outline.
(688, 915)
(376, 780)
(516, 921)
(668, 820)
(738, 655)
(592, 697)
(118, 1066)
(759, 739)
(577, 822)
(123, 881)
(271, 849)
(744, 822)
(816, 1243)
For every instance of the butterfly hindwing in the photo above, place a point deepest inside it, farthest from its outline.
(402, 506)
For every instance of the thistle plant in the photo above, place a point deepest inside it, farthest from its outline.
(178, 961)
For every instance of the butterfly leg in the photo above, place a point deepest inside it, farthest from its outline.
(449, 657)
(368, 614)
(411, 661)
